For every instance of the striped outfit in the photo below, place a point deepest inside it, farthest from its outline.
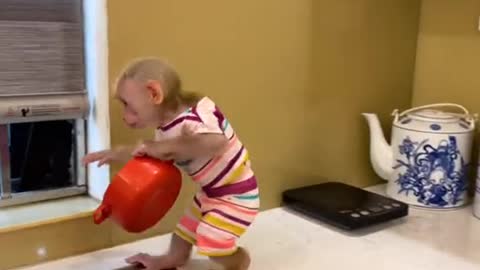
(228, 200)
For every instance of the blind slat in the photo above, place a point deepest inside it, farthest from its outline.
(40, 58)
(41, 10)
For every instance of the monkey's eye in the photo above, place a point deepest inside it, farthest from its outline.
(123, 102)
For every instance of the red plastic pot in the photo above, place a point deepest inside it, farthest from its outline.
(140, 194)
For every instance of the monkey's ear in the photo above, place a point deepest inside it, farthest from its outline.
(155, 91)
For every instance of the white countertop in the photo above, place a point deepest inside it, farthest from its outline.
(282, 240)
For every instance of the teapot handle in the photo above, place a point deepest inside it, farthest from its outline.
(471, 118)
(102, 213)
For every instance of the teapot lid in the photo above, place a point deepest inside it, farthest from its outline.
(426, 119)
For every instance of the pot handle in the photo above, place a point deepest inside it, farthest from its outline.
(469, 116)
(170, 161)
(103, 212)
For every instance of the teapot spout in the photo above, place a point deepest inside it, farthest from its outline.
(381, 155)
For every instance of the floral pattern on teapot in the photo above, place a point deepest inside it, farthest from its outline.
(436, 176)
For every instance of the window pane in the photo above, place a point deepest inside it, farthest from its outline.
(42, 155)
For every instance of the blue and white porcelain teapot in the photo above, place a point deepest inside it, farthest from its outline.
(427, 163)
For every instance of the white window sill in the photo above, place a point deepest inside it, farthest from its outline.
(41, 213)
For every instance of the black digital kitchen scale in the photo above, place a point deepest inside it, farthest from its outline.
(343, 206)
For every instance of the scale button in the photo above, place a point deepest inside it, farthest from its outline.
(355, 215)
(365, 213)
(387, 207)
(375, 209)
(396, 205)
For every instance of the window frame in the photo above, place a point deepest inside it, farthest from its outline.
(79, 176)
(79, 172)
(97, 132)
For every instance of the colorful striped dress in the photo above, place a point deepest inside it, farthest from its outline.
(228, 200)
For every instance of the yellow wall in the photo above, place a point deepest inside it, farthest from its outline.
(305, 69)
(448, 57)
(364, 58)
(306, 72)
(252, 52)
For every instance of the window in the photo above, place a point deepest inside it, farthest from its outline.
(43, 104)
